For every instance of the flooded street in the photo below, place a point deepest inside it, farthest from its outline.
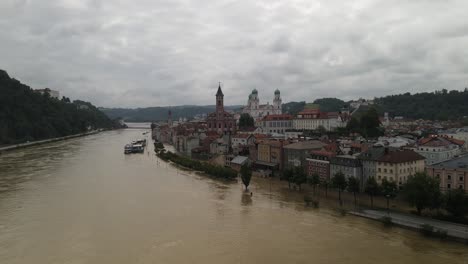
(84, 201)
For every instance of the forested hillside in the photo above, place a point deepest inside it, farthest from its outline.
(26, 115)
(438, 105)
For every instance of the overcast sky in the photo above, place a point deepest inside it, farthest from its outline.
(130, 53)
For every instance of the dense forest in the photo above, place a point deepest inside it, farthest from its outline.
(438, 105)
(26, 115)
(150, 114)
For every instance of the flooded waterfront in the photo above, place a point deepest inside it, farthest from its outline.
(84, 201)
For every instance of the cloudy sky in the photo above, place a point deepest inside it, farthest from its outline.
(127, 53)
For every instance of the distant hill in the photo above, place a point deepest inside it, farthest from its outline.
(150, 114)
(27, 115)
(438, 105)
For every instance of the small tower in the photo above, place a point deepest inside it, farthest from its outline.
(169, 118)
(277, 102)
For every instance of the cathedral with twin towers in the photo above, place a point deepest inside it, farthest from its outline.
(257, 110)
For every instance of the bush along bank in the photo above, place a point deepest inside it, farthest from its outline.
(212, 170)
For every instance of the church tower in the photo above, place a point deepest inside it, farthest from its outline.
(277, 104)
(219, 100)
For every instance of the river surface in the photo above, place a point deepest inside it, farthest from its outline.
(84, 201)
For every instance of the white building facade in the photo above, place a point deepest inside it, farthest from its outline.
(257, 110)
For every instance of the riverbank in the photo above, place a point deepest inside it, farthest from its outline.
(427, 226)
(45, 141)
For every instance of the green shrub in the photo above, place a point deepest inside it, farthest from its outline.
(427, 230)
(386, 220)
(441, 233)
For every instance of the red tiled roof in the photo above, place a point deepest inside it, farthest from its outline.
(323, 153)
(400, 156)
(242, 135)
(439, 141)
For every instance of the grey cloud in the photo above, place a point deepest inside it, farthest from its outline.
(171, 52)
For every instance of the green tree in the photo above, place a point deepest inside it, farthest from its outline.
(370, 123)
(456, 203)
(372, 189)
(246, 121)
(339, 182)
(314, 180)
(300, 176)
(246, 175)
(353, 125)
(325, 183)
(389, 190)
(288, 175)
(354, 187)
(422, 191)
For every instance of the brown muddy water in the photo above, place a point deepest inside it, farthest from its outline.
(84, 201)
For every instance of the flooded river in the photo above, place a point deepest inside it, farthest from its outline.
(84, 201)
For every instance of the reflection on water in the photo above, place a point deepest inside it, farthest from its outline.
(84, 201)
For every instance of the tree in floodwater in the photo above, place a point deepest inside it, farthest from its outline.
(246, 175)
(339, 182)
(353, 186)
(422, 191)
(372, 189)
(389, 190)
(325, 184)
(288, 174)
(314, 181)
(456, 203)
(299, 177)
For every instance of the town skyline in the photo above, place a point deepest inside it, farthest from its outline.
(150, 53)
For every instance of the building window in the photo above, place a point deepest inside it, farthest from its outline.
(449, 177)
(460, 187)
(461, 178)
(379, 170)
(385, 170)
(449, 186)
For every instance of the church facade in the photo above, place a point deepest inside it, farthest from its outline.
(221, 121)
(257, 110)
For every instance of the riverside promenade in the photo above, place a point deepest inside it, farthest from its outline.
(455, 231)
(39, 142)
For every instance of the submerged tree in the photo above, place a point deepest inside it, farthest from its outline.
(246, 175)
(372, 189)
(299, 177)
(389, 190)
(314, 181)
(339, 182)
(422, 191)
(456, 203)
(353, 186)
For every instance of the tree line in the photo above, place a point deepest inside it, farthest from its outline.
(420, 191)
(210, 169)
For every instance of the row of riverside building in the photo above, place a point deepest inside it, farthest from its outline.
(273, 146)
